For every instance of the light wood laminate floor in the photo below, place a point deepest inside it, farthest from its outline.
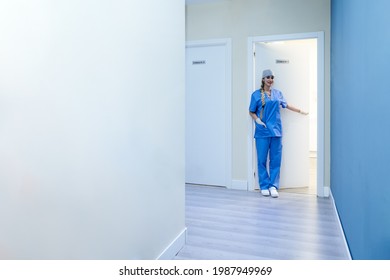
(228, 224)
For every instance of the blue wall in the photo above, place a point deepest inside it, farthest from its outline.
(360, 124)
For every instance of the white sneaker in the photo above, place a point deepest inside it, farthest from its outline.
(274, 192)
(265, 192)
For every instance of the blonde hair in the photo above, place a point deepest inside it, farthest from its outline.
(262, 99)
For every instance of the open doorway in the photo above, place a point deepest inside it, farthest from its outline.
(297, 61)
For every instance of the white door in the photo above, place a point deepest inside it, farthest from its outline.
(294, 65)
(207, 103)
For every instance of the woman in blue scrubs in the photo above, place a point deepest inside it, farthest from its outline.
(265, 110)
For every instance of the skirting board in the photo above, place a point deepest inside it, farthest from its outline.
(326, 191)
(239, 185)
(175, 246)
(340, 225)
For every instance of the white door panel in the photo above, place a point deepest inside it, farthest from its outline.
(206, 141)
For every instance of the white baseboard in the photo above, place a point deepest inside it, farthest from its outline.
(340, 225)
(326, 191)
(171, 251)
(239, 185)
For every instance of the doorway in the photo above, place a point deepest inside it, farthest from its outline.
(208, 113)
(297, 61)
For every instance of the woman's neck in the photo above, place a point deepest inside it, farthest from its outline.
(267, 89)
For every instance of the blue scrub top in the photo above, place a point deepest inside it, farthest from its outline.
(271, 113)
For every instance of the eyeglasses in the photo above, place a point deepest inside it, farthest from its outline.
(270, 77)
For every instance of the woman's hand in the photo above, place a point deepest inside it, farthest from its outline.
(258, 121)
(303, 112)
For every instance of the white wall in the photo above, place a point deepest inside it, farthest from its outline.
(238, 19)
(91, 145)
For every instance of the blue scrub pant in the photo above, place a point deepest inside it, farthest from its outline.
(273, 146)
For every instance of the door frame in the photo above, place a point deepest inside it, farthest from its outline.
(227, 42)
(322, 190)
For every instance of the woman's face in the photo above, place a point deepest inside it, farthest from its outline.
(268, 81)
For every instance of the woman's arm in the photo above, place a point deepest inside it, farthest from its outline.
(294, 109)
(253, 115)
